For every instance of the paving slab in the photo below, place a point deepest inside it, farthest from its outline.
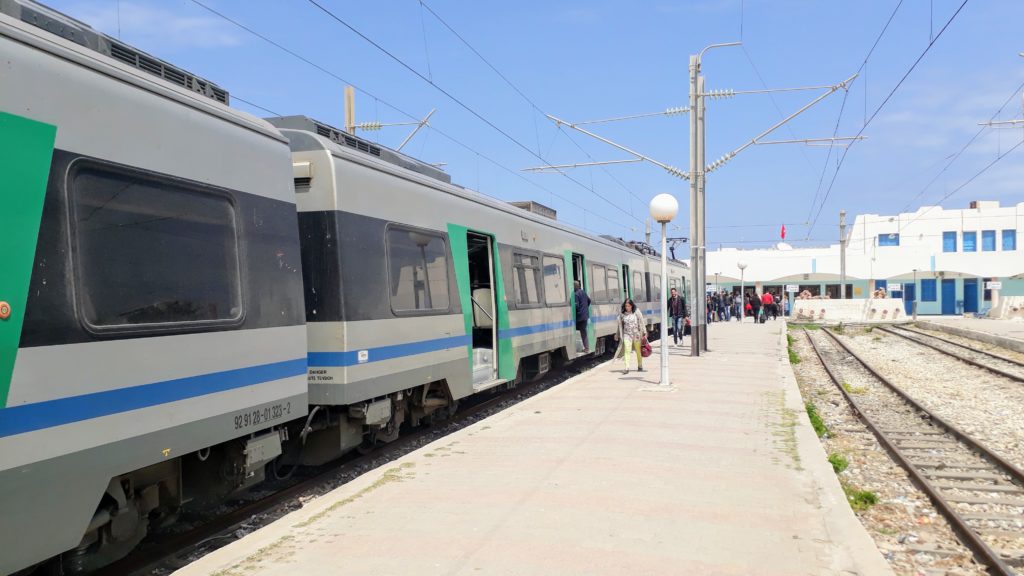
(599, 475)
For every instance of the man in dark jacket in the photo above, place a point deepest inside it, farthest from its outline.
(582, 314)
(677, 311)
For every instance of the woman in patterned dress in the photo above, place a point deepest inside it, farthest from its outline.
(630, 333)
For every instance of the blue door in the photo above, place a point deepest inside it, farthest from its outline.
(881, 284)
(909, 293)
(970, 294)
(948, 296)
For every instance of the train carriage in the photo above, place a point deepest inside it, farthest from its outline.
(154, 289)
(194, 296)
(420, 293)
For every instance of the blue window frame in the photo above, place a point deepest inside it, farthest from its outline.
(928, 290)
(949, 241)
(988, 240)
(889, 239)
(1009, 240)
(970, 241)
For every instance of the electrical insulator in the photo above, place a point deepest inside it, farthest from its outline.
(677, 173)
(676, 110)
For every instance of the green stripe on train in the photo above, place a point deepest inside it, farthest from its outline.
(26, 148)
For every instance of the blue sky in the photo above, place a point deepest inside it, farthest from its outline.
(595, 59)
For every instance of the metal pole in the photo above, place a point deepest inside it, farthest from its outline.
(350, 109)
(842, 254)
(664, 307)
(743, 298)
(701, 209)
(696, 299)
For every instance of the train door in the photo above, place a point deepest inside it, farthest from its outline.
(578, 270)
(909, 295)
(483, 297)
(579, 274)
(627, 287)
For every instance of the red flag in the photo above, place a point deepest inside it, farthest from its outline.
(783, 233)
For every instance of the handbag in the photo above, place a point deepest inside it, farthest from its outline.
(645, 347)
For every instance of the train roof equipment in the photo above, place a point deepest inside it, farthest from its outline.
(62, 25)
(307, 124)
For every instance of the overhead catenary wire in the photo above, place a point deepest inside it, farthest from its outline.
(402, 112)
(536, 108)
(884, 102)
(458, 101)
(972, 178)
(953, 158)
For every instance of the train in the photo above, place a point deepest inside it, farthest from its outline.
(194, 298)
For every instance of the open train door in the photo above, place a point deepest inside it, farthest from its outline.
(579, 267)
(484, 301)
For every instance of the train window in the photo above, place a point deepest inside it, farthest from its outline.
(526, 279)
(417, 270)
(673, 283)
(613, 285)
(554, 281)
(598, 283)
(638, 286)
(656, 286)
(151, 251)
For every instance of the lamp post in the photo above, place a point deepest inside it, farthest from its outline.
(663, 209)
(743, 297)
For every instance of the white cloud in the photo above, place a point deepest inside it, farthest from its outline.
(155, 26)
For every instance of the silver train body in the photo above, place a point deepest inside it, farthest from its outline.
(197, 296)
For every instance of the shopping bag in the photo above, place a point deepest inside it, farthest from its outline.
(645, 347)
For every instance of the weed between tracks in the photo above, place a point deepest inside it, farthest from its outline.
(838, 462)
(794, 358)
(860, 500)
(850, 389)
(819, 425)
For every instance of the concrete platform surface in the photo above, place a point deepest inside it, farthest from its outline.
(1008, 328)
(721, 475)
(1008, 333)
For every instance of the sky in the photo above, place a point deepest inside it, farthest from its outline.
(494, 70)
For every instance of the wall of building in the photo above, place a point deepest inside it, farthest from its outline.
(907, 248)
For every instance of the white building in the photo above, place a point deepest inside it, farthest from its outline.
(941, 258)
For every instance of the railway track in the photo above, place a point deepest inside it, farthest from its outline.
(994, 363)
(979, 493)
(168, 552)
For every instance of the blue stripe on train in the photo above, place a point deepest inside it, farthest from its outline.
(29, 417)
(351, 357)
(39, 415)
(524, 330)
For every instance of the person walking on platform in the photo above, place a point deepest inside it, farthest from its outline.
(630, 334)
(738, 306)
(582, 314)
(777, 307)
(755, 304)
(677, 311)
(767, 303)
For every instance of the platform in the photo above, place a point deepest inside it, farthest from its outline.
(600, 475)
(1006, 333)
